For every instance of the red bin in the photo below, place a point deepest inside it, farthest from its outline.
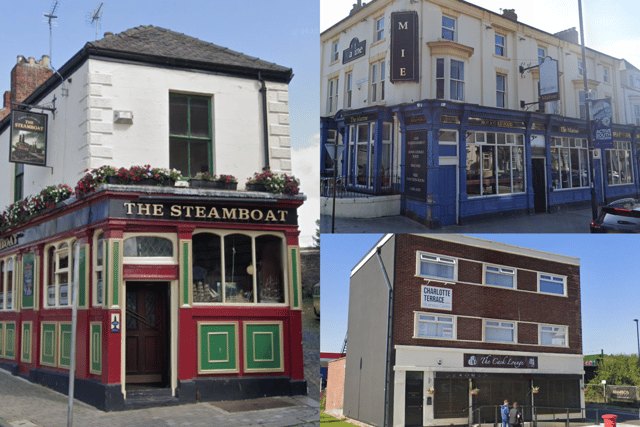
(609, 420)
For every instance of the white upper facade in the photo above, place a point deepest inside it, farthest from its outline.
(85, 132)
(471, 54)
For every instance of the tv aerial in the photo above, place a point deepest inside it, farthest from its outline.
(50, 19)
(93, 19)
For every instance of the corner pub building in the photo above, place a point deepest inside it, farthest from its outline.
(185, 293)
(457, 314)
(424, 97)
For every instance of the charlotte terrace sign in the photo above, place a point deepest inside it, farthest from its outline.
(436, 298)
(500, 361)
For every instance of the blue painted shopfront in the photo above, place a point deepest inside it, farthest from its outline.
(459, 163)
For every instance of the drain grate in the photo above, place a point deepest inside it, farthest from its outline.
(253, 404)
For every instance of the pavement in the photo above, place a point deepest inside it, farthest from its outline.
(567, 221)
(25, 404)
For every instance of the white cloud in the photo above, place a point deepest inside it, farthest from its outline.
(306, 167)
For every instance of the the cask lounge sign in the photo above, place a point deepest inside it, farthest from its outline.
(500, 361)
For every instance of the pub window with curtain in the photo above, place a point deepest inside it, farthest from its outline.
(190, 140)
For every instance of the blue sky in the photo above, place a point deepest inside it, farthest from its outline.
(280, 31)
(609, 280)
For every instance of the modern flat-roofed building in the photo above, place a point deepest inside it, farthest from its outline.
(433, 318)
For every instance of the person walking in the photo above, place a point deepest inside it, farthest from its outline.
(515, 416)
(504, 411)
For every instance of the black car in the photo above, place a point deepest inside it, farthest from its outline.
(621, 216)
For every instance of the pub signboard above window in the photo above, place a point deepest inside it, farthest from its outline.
(28, 138)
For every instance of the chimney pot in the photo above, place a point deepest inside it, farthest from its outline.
(20, 59)
(108, 34)
(32, 60)
(45, 61)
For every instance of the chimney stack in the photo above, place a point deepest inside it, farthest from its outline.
(357, 7)
(570, 35)
(26, 76)
(510, 14)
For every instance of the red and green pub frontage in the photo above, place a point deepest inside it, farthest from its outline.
(192, 293)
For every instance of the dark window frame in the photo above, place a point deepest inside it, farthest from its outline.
(189, 139)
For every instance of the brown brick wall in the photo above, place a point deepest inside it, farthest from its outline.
(469, 271)
(26, 76)
(528, 333)
(485, 301)
(335, 385)
(469, 329)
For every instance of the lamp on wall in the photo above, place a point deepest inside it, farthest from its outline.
(488, 27)
(522, 39)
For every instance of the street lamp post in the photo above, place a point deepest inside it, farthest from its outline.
(638, 333)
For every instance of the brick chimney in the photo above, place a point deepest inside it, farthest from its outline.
(26, 76)
(510, 14)
(570, 35)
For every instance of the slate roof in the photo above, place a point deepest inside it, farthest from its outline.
(151, 44)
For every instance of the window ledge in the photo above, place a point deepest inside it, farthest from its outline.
(449, 48)
(332, 63)
(382, 40)
(504, 58)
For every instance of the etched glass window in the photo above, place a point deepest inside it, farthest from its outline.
(148, 246)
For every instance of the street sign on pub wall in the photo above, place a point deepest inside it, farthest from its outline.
(28, 138)
(404, 47)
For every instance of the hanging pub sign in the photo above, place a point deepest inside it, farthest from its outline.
(549, 78)
(28, 138)
(404, 47)
(601, 123)
(355, 50)
(416, 165)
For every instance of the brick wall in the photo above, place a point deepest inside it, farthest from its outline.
(335, 386)
(26, 76)
(472, 301)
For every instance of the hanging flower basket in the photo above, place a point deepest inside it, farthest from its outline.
(431, 391)
(475, 391)
(535, 390)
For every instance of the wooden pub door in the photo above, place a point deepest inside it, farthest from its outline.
(146, 324)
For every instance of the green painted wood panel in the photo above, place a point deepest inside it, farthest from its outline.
(26, 342)
(263, 347)
(96, 348)
(82, 267)
(48, 344)
(294, 268)
(10, 340)
(65, 345)
(217, 345)
(28, 280)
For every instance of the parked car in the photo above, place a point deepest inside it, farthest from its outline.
(621, 216)
(316, 299)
